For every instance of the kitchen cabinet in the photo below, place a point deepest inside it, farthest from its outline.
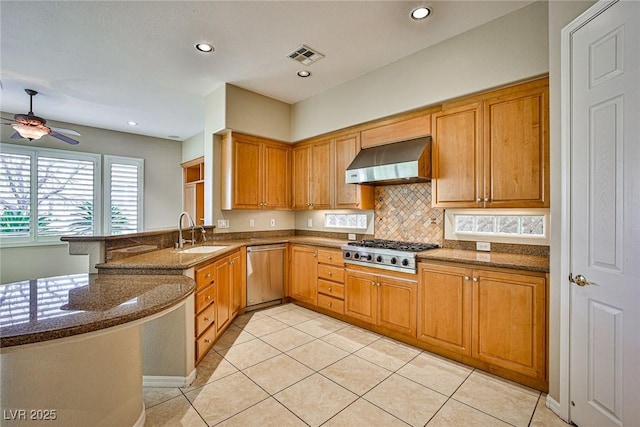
(395, 130)
(304, 273)
(382, 300)
(444, 307)
(255, 173)
(331, 280)
(205, 310)
(492, 150)
(350, 196)
(312, 175)
(238, 279)
(494, 317)
(193, 189)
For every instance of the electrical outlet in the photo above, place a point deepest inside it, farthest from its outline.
(273, 222)
(352, 236)
(309, 222)
(223, 223)
(252, 223)
(483, 246)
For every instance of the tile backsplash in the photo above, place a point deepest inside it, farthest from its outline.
(404, 212)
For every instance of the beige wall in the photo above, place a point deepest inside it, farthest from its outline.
(162, 195)
(561, 13)
(193, 147)
(508, 49)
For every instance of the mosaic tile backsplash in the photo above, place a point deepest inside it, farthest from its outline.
(404, 212)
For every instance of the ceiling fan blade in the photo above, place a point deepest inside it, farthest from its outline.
(62, 137)
(9, 120)
(16, 135)
(67, 131)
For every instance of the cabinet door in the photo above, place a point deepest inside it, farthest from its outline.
(223, 293)
(444, 307)
(276, 185)
(516, 149)
(457, 157)
(361, 296)
(236, 283)
(350, 196)
(247, 170)
(397, 131)
(300, 177)
(321, 174)
(397, 302)
(509, 325)
(304, 274)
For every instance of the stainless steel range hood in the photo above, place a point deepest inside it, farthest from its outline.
(398, 163)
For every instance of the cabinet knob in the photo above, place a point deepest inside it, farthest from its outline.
(475, 279)
(329, 257)
(315, 254)
(478, 199)
(206, 319)
(330, 303)
(329, 288)
(486, 199)
(208, 297)
(330, 273)
(373, 283)
(466, 277)
(207, 275)
(208, 341)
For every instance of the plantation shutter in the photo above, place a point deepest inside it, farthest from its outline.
(124, 192)
(15, 195)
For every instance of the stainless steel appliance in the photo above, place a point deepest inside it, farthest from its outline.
(265, 273)
(397, 163)
(388, 254)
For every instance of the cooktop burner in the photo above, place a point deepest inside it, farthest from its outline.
(394, 245)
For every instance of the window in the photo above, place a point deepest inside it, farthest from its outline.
(345, 220)
(504, 225)
(46, 193)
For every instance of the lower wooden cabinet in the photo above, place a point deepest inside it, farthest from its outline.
(492, 316)
(382, 300)
(304, 274)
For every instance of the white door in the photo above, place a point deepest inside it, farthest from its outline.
(605, 216)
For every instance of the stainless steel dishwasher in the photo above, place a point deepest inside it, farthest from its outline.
(265, 273)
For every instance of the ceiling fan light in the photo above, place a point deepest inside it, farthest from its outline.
(29, 132)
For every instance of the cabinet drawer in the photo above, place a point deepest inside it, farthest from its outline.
(204, 298)
(327, 256)
(204, 277)
(331, 272)
(205, 319)
(205, 342)
(331, 289)
(333, 304)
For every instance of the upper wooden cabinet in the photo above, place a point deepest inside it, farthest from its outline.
(395, 130)
(493, 151)
(255, 173)
(313, 175)
(350, 196)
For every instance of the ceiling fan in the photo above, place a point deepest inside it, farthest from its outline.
(33, 127)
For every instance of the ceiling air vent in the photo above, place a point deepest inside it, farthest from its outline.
(305, 55)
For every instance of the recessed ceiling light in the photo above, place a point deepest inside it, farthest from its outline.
(420, 13)
(204, 47)
(303, 73)
(132, 123)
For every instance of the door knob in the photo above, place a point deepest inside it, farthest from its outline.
(579, 280)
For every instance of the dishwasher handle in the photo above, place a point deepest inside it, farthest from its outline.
(262, 248)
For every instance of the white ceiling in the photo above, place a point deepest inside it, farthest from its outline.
(103, 63)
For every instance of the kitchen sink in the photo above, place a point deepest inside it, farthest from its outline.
(202, 249)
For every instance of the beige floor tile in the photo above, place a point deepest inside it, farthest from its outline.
(315, 399)
(244, 319)
(456, 414)
(355, 374)
(155, 395)
(268, 413)
(277, 373)
(500, 398)
(363, 413)
(293, 316)
(387, 353)
(317, 354)
(264, 325)
(173, 413)
(407, 400)
(249, 353)
(232, 336)
(211, 368)
(287, 339)
(270, 311)
(544, 417)
(320, 326)
(351, 338)
(437, 373)
(224, 398)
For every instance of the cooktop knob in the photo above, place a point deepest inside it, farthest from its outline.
(394, 260)
(369, 257)
(379, 258)
(405, 262)
(347, 254)
(356, 256)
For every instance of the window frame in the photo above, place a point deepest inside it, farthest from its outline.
(110, 160)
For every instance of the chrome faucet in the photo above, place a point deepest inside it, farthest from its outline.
(203, 234)
(181, 241)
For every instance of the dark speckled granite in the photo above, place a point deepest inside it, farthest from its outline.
(489, 259)
(57, 307)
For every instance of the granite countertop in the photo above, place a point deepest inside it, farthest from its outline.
(491, 259)
(176, 259)
(57, 307)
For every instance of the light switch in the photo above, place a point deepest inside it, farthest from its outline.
(252, 223)
(309, 222)
(483, 246)
(273, 222)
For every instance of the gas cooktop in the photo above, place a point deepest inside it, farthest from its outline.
(387, 254)
(394, 245)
